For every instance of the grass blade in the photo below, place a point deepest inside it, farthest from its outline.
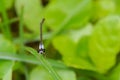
(45, 63)
(29, 59)
(10, 21)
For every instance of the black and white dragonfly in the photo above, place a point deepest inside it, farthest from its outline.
(41, 45)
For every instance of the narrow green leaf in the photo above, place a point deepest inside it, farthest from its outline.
(21, 31)
(10, 21)
(6, 29)
(45, 63)
(29, 59)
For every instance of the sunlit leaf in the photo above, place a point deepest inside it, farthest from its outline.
(6, 45)
(84, 78)
(115, 73)
(66, 13)
(103, 8)
(117, 6)
(8, 67)
(74, 48)
(41, 74)
(5, 65)
(5, 3)
(32, 13)
(82, 47)
(8, 3)
(105, 43)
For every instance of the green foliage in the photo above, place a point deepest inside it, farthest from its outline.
(6, 65)
(39, 73)
(107, 7)
(6, 69)
(82, 40)
(72, 14)
(8, 46)
(32, 13)
(45, 63)
(6, 3)
(69, 48)
(6, 28)
(104, 43)
(115, 74)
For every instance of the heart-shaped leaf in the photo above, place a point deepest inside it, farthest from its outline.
(74, 48)
(105, 43)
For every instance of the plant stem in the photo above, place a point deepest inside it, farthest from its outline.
(10, 21)
(6, 29)
(21, 31)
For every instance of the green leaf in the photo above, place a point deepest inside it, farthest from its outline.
(39, 73)
(65, 13)
(5, 65)
(32, 13)
(45, 63)
(64, 45)
(6, 29)
(104, 43)
(82, 47)
(84, 78)
(69, 47)
(5, 69)
(117, 6)
(8, 69)
(29, 59)
(6, 45)
(6, 3)
(115, 73)
(103, 8)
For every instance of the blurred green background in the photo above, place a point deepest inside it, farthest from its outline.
(81, 37)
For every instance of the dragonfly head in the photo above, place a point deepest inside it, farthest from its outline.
(41, 49)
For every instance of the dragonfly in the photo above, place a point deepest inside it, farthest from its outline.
(41, 45)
